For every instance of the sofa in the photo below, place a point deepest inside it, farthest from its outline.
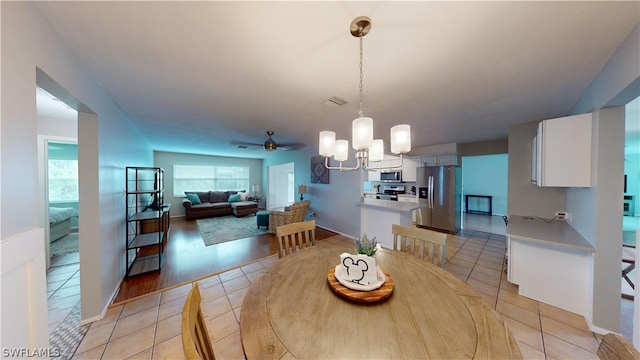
(206, 204)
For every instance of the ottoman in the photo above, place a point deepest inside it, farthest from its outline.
(262, 218)
(242, 208)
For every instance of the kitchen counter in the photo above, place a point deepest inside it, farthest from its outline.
(378, 216)
(556, 233)
(390, 205)
(550, 262)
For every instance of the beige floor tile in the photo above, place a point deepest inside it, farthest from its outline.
(462, 263)
(231, 274)
(216, 307)
(518, 300)
(178, 292)
(492, 280)
(483, 287)
(91, 354)
(130, 324)
(236, 284)
(145, 355)
(131, 344)
(236, 298)
(254, 276)
(524, 333)
(461, 258)
(530, 353)
(566, 317)
(507, 286)
(170, 349)
(583, 339)
(222, 326)
(457, 269)
(253, 267)
(490, 300)
(491, 263)
(171, 308)
(517, 313)
(112, 314)
(229, 347)
(168, 328)
(487, 271)
(212, 292)
(237, 311)
(210, 281)
(560, 349)
(140, 305)
(96, 336)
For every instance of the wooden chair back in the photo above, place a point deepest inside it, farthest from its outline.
(195, 337)
(615, 347)
(295, 236)
(416, 240)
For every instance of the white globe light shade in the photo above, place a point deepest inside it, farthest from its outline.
(342, 150)
(400, 139)
(376, 152)
(326, 143)
(362, 132)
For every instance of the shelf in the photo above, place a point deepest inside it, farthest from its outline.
(146, 215)
(145, 264)
(148, 239)
(147, 227)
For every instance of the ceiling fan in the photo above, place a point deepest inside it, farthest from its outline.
(269, 144)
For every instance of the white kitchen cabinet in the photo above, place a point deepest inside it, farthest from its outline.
(437, 160)
(561, 152)
(409, 166)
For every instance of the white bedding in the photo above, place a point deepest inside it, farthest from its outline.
(57, 215)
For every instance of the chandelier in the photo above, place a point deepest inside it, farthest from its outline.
(367, 149)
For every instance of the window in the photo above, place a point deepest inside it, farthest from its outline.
(207, 177)
(63, 180)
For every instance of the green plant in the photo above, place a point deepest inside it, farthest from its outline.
(367, 246)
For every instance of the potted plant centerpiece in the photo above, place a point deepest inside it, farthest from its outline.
(367, 246)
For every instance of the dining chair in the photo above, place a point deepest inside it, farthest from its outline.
(195, 337)
(295, 236)
(615, 347)
(409, 239)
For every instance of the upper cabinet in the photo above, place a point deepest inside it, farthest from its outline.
(561, 152)
(437, 160)
(409, 166)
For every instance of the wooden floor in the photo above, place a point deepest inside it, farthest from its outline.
(187, 258)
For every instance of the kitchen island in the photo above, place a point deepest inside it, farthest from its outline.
(551, 262)
(377, 216)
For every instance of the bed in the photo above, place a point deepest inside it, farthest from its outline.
(60, 222)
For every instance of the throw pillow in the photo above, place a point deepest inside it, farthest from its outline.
(195, 200)
(234, 198)
(243, 196)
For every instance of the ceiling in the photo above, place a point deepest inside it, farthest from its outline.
(197, 76)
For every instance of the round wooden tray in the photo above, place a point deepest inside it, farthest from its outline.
(378, 294)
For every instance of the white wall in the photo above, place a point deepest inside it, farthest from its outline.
(335, 204)
(597, 211)
(109, 139)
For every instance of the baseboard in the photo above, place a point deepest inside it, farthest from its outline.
(104, 309)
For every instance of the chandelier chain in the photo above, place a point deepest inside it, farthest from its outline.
(361, 73)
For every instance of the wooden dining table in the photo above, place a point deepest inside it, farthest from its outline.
(291, 312)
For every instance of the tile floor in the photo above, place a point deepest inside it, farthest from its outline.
(63, 297)
(149, 327)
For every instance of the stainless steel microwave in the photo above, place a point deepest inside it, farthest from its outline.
(391, 176)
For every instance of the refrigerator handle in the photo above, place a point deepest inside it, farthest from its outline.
(430, 192)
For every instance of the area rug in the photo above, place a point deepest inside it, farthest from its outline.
(217, 230)
(65, 245)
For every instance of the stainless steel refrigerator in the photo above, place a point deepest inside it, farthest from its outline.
(440, 189)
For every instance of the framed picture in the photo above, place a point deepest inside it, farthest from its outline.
(319, 173)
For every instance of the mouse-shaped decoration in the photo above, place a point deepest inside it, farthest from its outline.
(360, 269)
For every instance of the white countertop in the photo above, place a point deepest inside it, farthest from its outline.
(390, 205)
(555, 233)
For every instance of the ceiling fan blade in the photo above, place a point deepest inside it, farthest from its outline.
(293, 146)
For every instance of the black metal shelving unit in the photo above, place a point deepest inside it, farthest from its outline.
(144, 202)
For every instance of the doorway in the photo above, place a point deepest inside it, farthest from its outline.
(281, 185)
